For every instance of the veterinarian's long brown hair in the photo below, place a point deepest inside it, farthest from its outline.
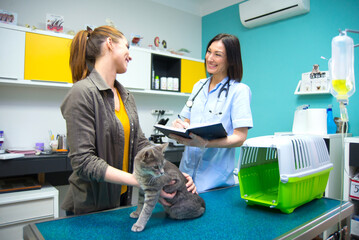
(234, 56)
(86, 47)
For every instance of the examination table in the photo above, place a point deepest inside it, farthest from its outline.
(227, 217)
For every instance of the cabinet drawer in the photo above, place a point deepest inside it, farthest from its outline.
(22, 211)
(15, 231)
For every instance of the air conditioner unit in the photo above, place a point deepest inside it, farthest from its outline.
(254, 13)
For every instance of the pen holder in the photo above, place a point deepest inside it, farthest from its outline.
(62, 143)
(54, 144)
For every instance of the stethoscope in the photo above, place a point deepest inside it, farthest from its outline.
(190, 102)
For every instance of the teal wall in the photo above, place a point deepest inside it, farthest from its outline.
(275, 55)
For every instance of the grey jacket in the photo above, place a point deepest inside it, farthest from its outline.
(96, 139)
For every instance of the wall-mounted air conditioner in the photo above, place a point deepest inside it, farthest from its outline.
(254, 13)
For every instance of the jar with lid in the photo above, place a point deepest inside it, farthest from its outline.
(2, 149)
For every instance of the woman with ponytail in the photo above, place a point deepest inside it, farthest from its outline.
(103, 130)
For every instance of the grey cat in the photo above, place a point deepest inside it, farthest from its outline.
(154, 172)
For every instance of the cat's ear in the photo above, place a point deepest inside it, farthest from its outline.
(148, 155)
(143, 154)
(164, 146)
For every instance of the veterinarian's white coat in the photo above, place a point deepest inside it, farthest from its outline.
(213, 167)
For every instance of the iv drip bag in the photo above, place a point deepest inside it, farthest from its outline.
(341, 67)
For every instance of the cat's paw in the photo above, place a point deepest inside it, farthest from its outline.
(137, 228)
(134, 214)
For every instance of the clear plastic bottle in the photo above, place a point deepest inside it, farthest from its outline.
(331, 126)
(341, 67)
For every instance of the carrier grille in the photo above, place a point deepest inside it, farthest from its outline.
(300, 152)
(254, 155)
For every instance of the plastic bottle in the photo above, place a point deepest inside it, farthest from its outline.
(175, 84)
(157, 83)
(153, 79)
(331, 126)
(2, 149)
(341, 67)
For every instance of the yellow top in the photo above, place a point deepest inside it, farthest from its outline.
(123, 117)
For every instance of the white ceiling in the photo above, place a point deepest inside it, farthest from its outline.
(198, 7)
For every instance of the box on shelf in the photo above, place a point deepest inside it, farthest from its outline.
(314, 83)
(354, 189)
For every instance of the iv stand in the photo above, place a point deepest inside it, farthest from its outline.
(352, 31)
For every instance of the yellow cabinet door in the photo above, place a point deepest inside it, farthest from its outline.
(47, 58)
(191, 72)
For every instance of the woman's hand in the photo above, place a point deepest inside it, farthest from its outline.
(191, 187)
(164, 195)
(194, 141)
(178, 123)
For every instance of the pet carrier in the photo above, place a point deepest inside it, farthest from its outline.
(283, 172)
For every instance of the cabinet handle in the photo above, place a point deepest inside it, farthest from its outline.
(9, 78)
(50, 82)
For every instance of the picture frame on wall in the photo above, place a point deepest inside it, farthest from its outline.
(54, 23)
(8, 17)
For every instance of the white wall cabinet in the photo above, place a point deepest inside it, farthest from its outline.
(16, 59)
(18, 209)
(336, 152)
(12, 54)
(351, 166)
(334, 186)
(349, 169)
(138, 71)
